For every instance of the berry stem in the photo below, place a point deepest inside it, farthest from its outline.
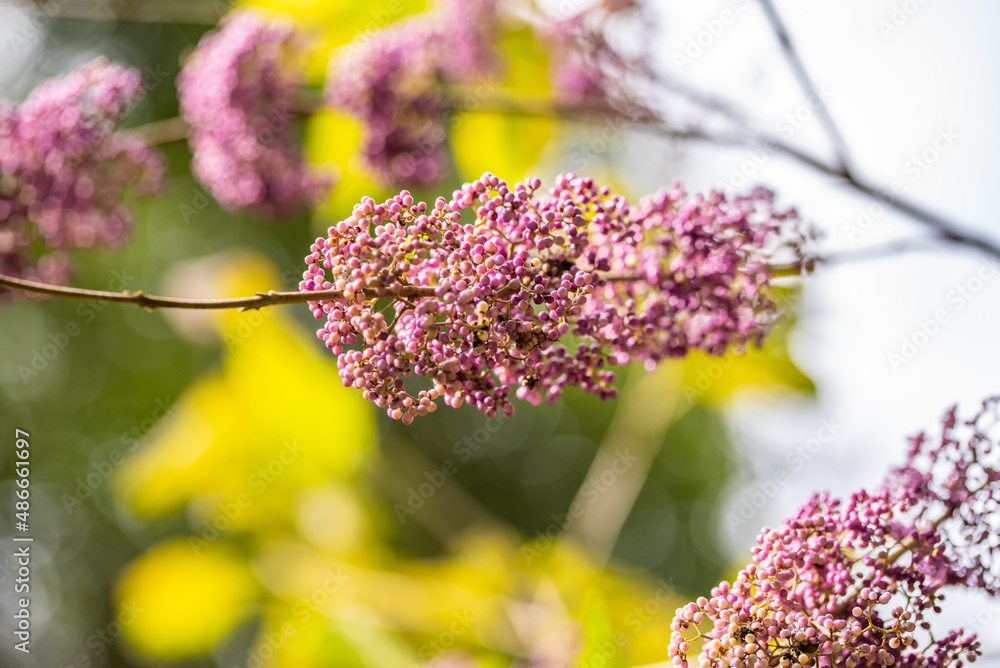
(900, 549)
(269, 298)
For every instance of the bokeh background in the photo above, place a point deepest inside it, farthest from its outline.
(205, 493)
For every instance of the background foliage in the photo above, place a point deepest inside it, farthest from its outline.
(206, 493)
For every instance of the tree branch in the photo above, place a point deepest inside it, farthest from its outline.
(259, 300)
(748, 136)
(808, 87)
(272, 297)
(174, 129)
(904, 546)
(162, 132)
(877, 251)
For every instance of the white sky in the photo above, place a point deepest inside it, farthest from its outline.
(892, 93)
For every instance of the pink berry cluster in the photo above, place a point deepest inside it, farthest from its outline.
(238, 92)
(855, 583)
(504, 287)
(392, 81)
(64, 170)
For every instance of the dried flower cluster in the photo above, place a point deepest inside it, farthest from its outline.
(855, 583)
(392, 82)
(64, 170)
(488, 287)
(238, 92)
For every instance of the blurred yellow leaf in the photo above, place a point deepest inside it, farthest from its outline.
(333, 23)
(714, 380)
(174, 602)
(506, 144)
(270, 446)
(602, 645)
(485, 597)
(334, 139)
(272, 421)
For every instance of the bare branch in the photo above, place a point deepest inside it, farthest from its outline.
(274, 298)
(259, 300)
(162, 132)
(878, 251)
(807, 85)
(946, 229)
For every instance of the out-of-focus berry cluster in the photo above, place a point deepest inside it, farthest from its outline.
(64, 170)
(586, 69)
(856, 583)
(238, 92)
(392, 81)
(504, 287)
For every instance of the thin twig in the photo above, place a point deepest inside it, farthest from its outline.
(878, 251)
(162, 132)
(259, 300)
(749, 135)
(808, 87)
(902, 548)
(274, 298)
(946, 229)
(543, 108)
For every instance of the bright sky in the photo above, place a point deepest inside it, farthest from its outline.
(914, 88)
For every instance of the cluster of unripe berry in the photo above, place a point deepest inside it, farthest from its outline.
(503, 289)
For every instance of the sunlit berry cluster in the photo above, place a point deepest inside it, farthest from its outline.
(502, 287)
(856, 583)
(392, 81)
(65, 171)
(238, 92)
